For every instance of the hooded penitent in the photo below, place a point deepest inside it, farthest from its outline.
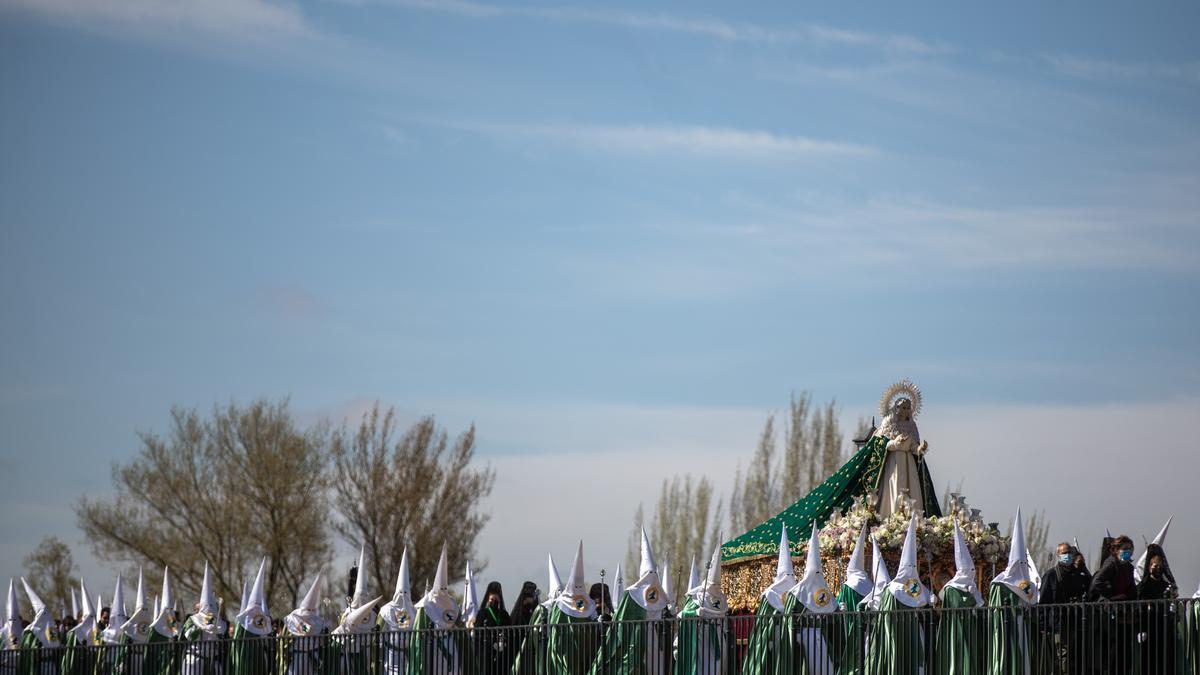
(617, 587)
(438, 604)
(811, 591)
(399, 612)
(11, 632)
(857, 579)
(907, 585)
(77, 659)
(701, 645)
(434, 652)
(668, 588)
(1159, 539)
(74, 605)
(470, 603)
(785, 577)
(634, 644)
(693, 577)
(166, 621)
(554, 581)
(137, 626)
(116, 615)
(771, 649)
(306, 619)
(358, 620)
(880, 575)
(254, 616)
(203, 625)
(964, 570)
(574, 600)
(1017, 576)
(43, 628)
(84, 631)
(360, 580)
(1010, 632)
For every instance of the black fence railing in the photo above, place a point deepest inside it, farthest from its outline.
(1142, 638)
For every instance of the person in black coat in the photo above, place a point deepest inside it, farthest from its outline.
(496, 648)
(1065, 583)
(1114, 583)
(1158, 651)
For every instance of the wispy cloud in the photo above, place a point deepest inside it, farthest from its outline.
(244, 20)
(1102, 69)
(674, 140)
(804, 33)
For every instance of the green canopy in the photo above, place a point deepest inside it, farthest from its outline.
(857, 477)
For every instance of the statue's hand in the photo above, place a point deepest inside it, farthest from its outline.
(921, 449)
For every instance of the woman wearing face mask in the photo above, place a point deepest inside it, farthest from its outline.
(1114, 583)
(1158, 650)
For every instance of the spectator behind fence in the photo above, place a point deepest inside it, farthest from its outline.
(1065, 583)
(1158, 647)
(497, 650)
(603, 601)
(1114, 582)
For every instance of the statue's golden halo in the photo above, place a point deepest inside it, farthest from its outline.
(902, 389)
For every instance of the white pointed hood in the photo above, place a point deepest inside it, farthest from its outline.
(116, 615)
(693, 577)
(360, 580)
(470, 603)
(785, 576)
(85, 630)
(1018, 576)
(358, 620)
(255, 616)
(907, 585)
(964, 569)
(1141, 561)
(11, 632)
(166, 619)
(555, 581)
(857, 578)
(205, 617)
(708, 593)
(667, 585)
(74, 605)
(647, 591)
(812, 591)
(616, 587)
(137, 626)
(881, 576)
(574, 600)
(438, 604)
(306, 619)
(43, 626)
(399, 613)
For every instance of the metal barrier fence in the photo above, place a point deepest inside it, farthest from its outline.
(1143, 638)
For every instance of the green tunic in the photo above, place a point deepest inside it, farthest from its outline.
(248, 655)
(1187, 659)
(897, 645)
(847, 644)
(772, 647)
(431, 650)
(78, 656)
(199, 654)
(701, 645)
(531, 658)
(161, 655)
(960, 646)
(1009, 633)
(632, 645)
(33, 659)
(571, 646)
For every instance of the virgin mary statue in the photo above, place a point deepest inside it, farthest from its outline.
(904, 451)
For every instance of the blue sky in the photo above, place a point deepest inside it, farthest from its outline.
(591, 228)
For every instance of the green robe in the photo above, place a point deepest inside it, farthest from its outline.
(78, 656)
(34, 659)
(1009, 633)
(772, 646)
(432, 651)
(632, 643)
(160, 655)
(847, 644)
(248, 654)
(1187, 646)
(571, 646)
(857, 477)
(701, 644)
(897, 645)
(531, 658)
(960, 646)
(198, 655)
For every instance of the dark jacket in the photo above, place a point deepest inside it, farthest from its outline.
(1114, 581)
(1063, 584)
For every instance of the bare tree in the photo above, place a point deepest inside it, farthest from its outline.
(245, 483)
(417, 490)
(1037, 540)
(50, 570)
